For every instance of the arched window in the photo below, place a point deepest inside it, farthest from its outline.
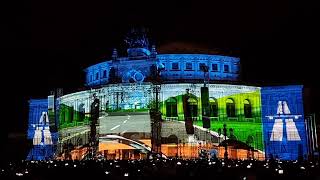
(62, 117)
(81, 110)
(97, 76)
(231, 108)
(69, 114)
(193, 106)
(171, 107)
(226, 68)
(247, 109)
(213, 104)
(175, 66)
(104, 73)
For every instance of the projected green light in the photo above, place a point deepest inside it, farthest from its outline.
(239, 109)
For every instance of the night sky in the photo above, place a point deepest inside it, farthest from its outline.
(47, 44)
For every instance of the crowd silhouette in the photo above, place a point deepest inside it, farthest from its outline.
(161, 168)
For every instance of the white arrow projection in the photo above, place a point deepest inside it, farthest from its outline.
(284, 114)
(42, 130)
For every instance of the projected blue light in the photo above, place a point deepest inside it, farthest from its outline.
(126, 85)
(283, 122)
(43, 139)
(186, 66)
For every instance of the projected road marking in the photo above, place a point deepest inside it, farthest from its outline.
(115, 127)
(123, 131)
(292, 131)
(47, 136)
(139, 122)
(277, 130)
(42, 132)
(37, 138)
(284, 114)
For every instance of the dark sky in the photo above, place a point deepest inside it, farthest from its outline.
(46, 44)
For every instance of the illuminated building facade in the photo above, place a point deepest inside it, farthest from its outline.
(270, 120)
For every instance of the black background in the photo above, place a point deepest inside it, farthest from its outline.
(47, 44)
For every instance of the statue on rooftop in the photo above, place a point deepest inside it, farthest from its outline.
(137, 38)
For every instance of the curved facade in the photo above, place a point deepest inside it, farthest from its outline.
(174, 68)
(268, 119)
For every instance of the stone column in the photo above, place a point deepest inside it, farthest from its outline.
(75, 112)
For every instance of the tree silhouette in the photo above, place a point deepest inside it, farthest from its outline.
(250, 140)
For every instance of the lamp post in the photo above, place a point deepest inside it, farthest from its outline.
(156, 120)
(94, 141)
(205, 69)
